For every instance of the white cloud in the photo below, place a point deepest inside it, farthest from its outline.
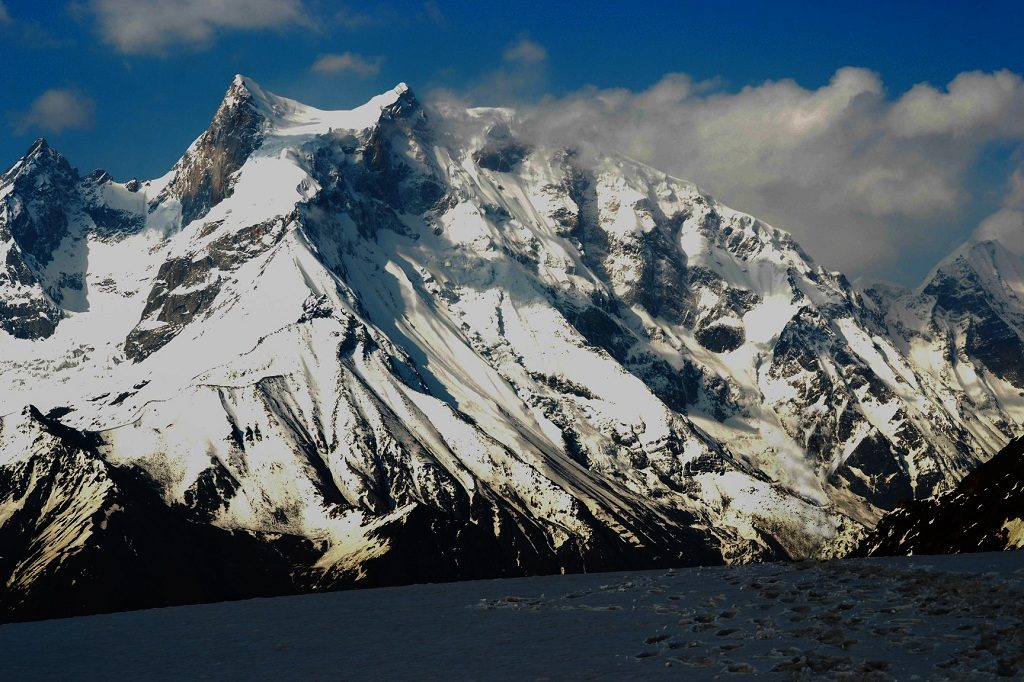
(58, 110)
(5, 16)
(975, 103)
(347, 62)
(857, 176)
(152, 26)
(522, 74)
(375, 15)
(525, 51)
(1007, 224)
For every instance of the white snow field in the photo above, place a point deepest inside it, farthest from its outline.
(926, 617)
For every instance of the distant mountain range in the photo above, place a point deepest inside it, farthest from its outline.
(343, 348)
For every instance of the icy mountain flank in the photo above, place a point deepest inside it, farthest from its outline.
(380, 348)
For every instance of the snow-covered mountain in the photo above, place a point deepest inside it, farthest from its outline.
(380, 346)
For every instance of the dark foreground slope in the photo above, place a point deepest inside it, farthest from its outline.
(984, 513)
(932, 618)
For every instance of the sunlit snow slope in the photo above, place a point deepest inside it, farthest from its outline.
(376, 346)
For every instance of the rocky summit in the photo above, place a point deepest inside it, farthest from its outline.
(395, 344)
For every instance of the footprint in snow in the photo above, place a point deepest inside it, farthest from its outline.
(740, 669)
(695, 661)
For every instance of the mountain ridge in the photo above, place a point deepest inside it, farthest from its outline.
(364, 328)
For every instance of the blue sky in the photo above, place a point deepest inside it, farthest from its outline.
(127, 84)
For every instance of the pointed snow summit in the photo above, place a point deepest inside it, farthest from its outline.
(201, 179)
(247, 117)
(42, 169)
(39, 152)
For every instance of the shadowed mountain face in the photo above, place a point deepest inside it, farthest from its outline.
(983, 513)
(376, 346)
(87, 537)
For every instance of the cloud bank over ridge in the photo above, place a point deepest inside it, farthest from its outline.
(857, 175)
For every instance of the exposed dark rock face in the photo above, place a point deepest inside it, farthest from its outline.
(983, 513)
(169, 310)
(396, 167)
(203, 176)
(31, 316)
(661, 287)
(432, 546)
(990, 338)
(580, 185)
(186, 287)
(501, 152)
(37, 210)
(811, 357)
(375, 177)
(112, 223)
(212, 491)
(875, 472)
(998, 346)
(721, 338)
(33, 223)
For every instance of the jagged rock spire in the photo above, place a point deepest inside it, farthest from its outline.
(202, 177)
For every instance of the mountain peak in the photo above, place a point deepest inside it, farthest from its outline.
(39, 146)
(284, 113)
(399, 99)
(244, 90)
(40, 155)
(247, 116)
(41, 149)
(978, 256)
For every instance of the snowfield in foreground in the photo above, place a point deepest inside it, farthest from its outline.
(934, 617)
